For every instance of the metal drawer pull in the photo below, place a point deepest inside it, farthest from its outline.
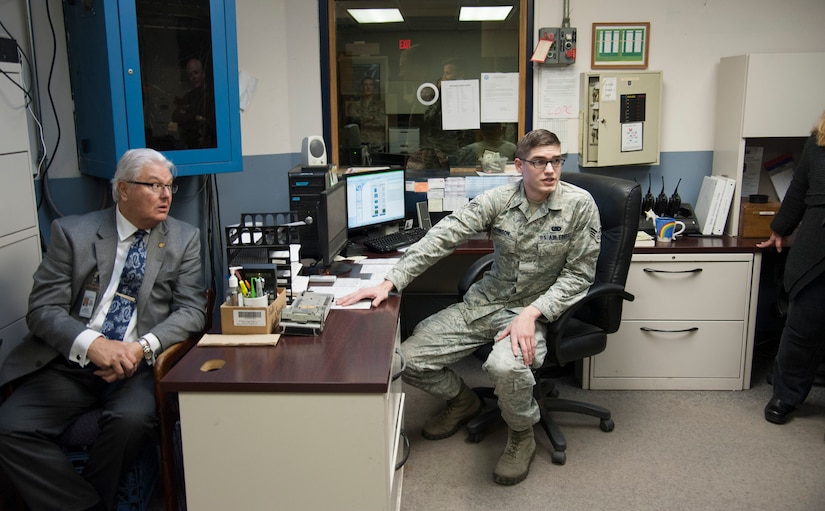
(648, 329)
(406, 450)
(652, 270)
(403, 365)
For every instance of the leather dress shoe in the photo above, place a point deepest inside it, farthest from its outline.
(777, 411)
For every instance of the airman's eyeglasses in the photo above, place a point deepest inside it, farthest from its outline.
(541, 163)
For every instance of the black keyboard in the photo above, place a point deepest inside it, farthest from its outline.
(395, 240)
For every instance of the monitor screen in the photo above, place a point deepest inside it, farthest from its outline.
(375, 198)
(332, 223)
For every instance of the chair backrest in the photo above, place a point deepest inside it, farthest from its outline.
(619, 203)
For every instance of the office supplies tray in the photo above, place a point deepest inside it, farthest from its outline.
(307, 314)
(260, 244)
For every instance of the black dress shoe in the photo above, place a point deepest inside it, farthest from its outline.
(777, 411)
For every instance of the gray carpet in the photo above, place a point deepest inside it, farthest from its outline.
(670, 450)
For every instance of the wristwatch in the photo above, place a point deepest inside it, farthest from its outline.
(147, 351)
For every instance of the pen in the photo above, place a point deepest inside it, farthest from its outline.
(252, 288)
(244, 289)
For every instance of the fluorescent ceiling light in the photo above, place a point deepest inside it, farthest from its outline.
(492, 13)
(376, 15)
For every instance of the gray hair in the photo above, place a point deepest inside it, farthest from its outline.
(133, 161)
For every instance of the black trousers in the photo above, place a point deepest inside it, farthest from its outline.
(802, 344)
(43, 405)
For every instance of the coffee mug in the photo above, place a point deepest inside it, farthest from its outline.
(666, 228)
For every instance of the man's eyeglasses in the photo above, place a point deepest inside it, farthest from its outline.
(157, 187)
(541, 163)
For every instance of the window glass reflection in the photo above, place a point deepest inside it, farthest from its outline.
(390, 79)
(175, 45)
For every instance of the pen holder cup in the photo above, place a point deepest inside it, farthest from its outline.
(259, 301)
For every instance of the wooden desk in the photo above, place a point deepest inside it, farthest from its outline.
(312, 423)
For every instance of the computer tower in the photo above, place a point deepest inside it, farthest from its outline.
(305, 187)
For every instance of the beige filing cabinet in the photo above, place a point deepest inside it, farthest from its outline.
(690, 327)
(19, 235)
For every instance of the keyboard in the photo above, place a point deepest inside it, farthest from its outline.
(395, 240)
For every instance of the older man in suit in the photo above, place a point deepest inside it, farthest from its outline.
(75, 359)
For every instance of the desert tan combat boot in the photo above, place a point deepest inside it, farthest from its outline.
(458, 412)
(514, 464)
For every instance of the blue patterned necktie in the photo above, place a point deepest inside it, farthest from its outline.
(125, 299)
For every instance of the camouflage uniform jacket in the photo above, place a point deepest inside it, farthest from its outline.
(547, 261)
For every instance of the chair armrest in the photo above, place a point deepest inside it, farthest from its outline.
(596, 291)
(166, 360)
(167, 406)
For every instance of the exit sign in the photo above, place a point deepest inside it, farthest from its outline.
(404, 44)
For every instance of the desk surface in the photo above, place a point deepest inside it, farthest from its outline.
(690, 244)
(703, 244)
(353, 354)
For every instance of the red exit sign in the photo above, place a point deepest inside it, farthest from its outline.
(404, 44)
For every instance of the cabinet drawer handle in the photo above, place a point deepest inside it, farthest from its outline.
(652, 270)
(403, 365)
(648, 329)
(406, 450)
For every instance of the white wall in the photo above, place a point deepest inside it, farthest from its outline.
(278, 45)
(687, 39)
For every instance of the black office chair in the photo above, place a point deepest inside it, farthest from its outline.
(582, 330)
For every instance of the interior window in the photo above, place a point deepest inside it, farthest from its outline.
(423, 91)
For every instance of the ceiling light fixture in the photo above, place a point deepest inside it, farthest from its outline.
(376, 15)
(490, 13)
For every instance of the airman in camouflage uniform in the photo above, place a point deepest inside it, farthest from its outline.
(546, 235)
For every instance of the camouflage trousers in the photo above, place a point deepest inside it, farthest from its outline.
(445, 338)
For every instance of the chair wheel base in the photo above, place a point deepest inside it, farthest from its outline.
(607, 425)
(558, 457)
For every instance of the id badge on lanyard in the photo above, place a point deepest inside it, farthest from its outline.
(90, 296)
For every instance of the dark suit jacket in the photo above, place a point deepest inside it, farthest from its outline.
(803, 209)
(171, 301)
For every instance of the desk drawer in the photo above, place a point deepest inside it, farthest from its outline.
(672, 349)
(686, 290)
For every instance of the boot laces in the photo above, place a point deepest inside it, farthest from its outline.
(513, 444)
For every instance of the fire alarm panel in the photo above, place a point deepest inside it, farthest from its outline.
(558, 46)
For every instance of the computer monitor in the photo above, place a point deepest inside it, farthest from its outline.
(375, 199)
(332, 227)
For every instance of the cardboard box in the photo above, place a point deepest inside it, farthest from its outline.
(253, 320)
(755, 219)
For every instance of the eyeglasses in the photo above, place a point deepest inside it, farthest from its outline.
(541, 163)
(157, 187)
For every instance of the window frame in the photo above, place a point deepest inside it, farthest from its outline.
(329, 73)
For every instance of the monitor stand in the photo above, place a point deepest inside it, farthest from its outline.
(352, 250)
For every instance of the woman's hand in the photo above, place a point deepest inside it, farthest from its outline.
(774, 241)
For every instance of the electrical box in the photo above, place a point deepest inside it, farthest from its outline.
(562, 45)
(621, 113)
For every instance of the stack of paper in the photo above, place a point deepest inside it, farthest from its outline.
(644, 239)
(713, 204)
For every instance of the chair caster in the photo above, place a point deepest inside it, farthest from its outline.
(558, 457)
(607, 425)
(475, 437)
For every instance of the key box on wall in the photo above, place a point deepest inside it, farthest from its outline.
(621, 118)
